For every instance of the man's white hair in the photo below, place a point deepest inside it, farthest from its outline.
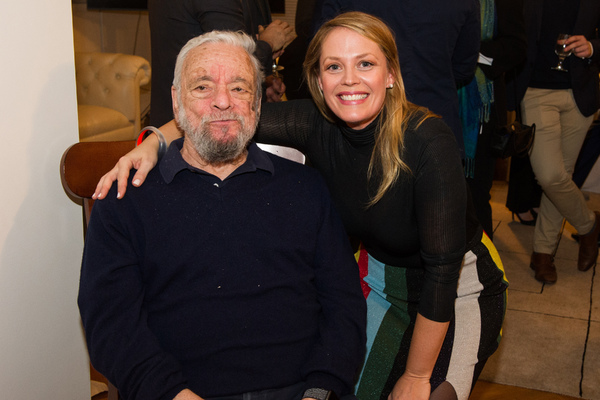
(240, 39)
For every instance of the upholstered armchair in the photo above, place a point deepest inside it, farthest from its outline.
(108, 95)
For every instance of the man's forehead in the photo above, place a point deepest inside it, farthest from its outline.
(214, 60)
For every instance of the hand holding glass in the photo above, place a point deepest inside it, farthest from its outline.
(559, 49)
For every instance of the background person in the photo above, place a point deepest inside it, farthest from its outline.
(562, 106)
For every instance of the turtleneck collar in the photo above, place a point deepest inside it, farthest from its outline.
(361, 137)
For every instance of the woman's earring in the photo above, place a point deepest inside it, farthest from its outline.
(391, 85)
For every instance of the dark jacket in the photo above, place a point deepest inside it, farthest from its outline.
(584, 73)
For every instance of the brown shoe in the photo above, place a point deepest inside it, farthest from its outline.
(543, 265)
(588, 247)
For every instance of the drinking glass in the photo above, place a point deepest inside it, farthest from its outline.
(276, 68)
(559, 49)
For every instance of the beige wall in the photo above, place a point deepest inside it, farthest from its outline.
(42, 352)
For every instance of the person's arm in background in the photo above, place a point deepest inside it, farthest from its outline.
(277, 35)
(584, 48)
(586, 44)
(509, 48)
(466, 50)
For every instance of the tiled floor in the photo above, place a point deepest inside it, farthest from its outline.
(552, 332)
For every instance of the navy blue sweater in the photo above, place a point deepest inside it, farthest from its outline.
(222, 287)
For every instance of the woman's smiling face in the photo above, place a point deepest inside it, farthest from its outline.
(353, 77)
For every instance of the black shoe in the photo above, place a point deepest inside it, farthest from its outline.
(530, 222)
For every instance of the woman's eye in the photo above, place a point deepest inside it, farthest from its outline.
(366, 64)
(333, 67)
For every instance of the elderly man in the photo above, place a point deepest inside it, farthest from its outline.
(228, 274)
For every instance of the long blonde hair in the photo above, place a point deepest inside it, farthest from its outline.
(397, 110)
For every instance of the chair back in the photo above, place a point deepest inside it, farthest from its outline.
(83, 164)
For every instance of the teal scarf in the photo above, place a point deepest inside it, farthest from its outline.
(476, 97)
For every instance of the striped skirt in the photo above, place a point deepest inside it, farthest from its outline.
(392, 302)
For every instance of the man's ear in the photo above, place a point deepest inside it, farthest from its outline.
(174, 99)
(258, 106)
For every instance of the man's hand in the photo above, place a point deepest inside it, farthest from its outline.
(275, 89)
(580, 46)
(278, 34)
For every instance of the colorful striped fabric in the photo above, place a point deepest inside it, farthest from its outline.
(392, 295)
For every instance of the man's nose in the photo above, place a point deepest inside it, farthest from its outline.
(221, 99)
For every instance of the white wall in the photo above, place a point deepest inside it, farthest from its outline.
(42, 352)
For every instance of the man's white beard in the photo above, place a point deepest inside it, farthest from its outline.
(209, 149)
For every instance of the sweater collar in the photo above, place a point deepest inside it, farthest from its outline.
(172, 163)
(361, 137)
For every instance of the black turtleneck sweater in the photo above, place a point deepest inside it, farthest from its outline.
(420, 223)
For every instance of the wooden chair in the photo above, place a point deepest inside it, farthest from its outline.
(83, 164)
(81, 167)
